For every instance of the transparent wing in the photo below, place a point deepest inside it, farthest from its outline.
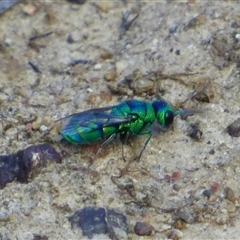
(84, 113)
(91, 120)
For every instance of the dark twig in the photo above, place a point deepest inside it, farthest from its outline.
(125, 24)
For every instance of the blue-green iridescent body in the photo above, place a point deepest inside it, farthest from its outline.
(143, 115)
(131, 117)
(90, 126)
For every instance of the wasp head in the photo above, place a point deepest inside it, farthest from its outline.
(164, 113)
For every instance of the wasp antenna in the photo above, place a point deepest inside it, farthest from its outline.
(187, 112)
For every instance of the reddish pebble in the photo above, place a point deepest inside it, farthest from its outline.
(28, 126)
(215, 187)
(172, 178)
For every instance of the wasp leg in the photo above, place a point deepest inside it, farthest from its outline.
(106, 142)
(146, 142)
(124, 138)
(123, 153)
(123, 157)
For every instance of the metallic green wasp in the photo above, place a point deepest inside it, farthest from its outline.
(129, 118)
(92, 125)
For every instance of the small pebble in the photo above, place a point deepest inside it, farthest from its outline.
(215, 187)
(8, 42)
(4, 216)
(143, 229)
(3, 97)
(37, 124)
(235, 24)
(212, 151)
(78, 1)
(207, 193)
(40, 237)
(106, 55)
(237, 36)
(176, 187)
(231, 208)
(142, 85)
(111, 75)
(234, 128)
(98, 66)
(28, 126)
(194, 132)
(174, 234)
(43, 128)
(70, 39)
(195, 22)
(50, 17)
(177, 52)
(228, 193)
(117, 222)
(179, 224)
(29, 9)
(173, 29)
(122, 87)
(186, 217)
(222, 219)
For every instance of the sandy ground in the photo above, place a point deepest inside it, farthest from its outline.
(98, 54)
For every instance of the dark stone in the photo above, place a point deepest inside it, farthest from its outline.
(228, 193)
(234, 128)
(94, 220)
(207, 193)
(194, 132)
(39, 237)
(173, 29)
(91, 220)
(143, 229)
(212, 151)
(177, 52)
(26, 163)
(186, 216)
(116, 221)
(78, 1)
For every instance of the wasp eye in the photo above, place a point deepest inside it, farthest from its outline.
(169, 117)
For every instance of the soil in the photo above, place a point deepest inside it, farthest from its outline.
(60, 57)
